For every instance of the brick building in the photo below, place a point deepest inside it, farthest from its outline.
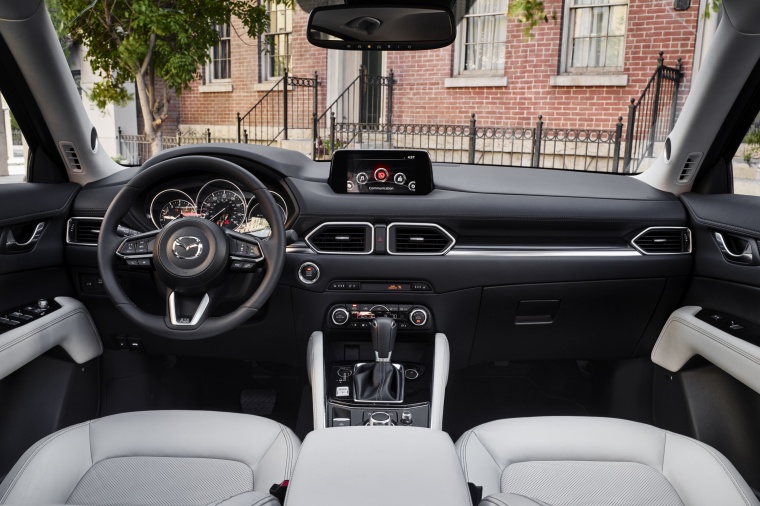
(578, 71)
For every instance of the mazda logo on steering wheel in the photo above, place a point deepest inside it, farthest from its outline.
(187, 248)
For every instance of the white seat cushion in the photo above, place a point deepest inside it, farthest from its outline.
(155, 458)
(578, 461)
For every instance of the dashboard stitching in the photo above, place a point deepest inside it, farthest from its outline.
(499, 217)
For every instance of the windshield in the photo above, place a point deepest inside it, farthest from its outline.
(596, 86)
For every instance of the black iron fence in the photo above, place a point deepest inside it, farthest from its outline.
(136, 149)
(539, 145)
(291, 104)
(652, 116)
(367, 100)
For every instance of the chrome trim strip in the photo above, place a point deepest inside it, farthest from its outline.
(342, 223)
(196, 317)
(68, 228)
(516, 253)
(688, 231)
(429, 225)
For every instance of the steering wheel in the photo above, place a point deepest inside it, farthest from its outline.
(192, 257)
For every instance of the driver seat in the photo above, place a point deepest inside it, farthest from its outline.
(156, 457)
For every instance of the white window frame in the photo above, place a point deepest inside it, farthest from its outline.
(210, 74)
(460, 51)
(567, 40)
(266, 57)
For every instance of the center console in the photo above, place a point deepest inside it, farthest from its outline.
(378, 364)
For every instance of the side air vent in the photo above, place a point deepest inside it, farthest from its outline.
(70, 156)
(418, 239)
(343, 238)
(690, 167)
(83, 231)
(663, 241)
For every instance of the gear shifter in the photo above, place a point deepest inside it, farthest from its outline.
(380, 381)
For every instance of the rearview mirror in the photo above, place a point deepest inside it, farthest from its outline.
(381, 28)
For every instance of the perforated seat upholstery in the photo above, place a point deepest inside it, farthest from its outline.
(156, 458)
(577, 461)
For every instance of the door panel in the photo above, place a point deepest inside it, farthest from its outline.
(700, 400)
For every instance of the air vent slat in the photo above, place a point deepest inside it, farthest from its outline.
(663, 241)
(342, 238)
(418, 239)
(84, 231)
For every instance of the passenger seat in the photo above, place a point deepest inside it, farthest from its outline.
(583, 461)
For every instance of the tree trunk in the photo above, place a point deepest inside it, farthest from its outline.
(153, 133)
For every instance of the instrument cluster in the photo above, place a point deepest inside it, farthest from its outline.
(218, 200)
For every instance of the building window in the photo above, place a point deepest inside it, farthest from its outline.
(595, 35)
(220, 65)
(277, 40)
(482, 38)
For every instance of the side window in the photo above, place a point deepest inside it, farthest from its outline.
(276, 56)
(746, 163)
(13, 152)
(595, 31)
(482, 38)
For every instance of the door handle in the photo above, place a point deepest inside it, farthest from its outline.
(745, 257)
(11, 244)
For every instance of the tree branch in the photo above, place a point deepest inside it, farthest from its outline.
(149, 54)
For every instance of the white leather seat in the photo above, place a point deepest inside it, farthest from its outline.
(577, 461)
(156, 457)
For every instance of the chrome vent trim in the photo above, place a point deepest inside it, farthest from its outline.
(342, 235)
(83, 236)
(441, 250)
(663, 241)
(70, 156)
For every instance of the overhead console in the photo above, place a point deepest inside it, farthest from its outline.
(381, 172)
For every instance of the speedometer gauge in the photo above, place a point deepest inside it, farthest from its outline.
(176, 209)
(226, 208)
(256, 224)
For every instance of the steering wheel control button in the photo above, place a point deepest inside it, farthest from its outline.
(418, 317)
(308, 273)
(340, 316)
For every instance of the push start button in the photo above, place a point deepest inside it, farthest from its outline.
(308, 273)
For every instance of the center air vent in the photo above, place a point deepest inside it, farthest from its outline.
(83, 231)
(342, 238)
(418, 239)
(663, 241)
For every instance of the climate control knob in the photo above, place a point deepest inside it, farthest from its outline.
(340, 316)
(418, 317)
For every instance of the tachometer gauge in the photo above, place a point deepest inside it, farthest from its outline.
(176, 209)
(256, 224)
(226, 208)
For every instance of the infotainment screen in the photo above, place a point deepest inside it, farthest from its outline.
(381, 172)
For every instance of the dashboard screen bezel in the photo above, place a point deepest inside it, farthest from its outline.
(342, 159)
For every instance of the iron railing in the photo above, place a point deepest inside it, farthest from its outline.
(652, 116)
(136, 149)
(16, 137)
(532, 146)
(291, 104)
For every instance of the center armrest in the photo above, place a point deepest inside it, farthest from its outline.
(377, 466)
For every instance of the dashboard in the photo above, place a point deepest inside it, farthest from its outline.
(219, 200)
(511, 263)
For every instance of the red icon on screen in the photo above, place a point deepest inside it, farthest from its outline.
(381, 174)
